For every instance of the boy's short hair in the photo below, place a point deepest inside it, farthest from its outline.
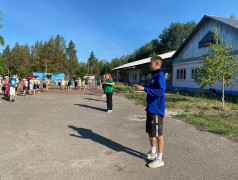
(157, 58)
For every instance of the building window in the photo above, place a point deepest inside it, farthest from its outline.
(181, 73)
(134, 77)
(192, 73)
(207, 39)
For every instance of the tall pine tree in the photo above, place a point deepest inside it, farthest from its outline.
(72, 61)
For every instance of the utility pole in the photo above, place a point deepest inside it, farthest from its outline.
(8, 71)
(46, 70)
(88, 56)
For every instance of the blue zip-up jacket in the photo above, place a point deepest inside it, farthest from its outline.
(156, 93)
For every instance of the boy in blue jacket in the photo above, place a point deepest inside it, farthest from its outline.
(155, 111)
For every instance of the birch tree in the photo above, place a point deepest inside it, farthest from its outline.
(219, 65)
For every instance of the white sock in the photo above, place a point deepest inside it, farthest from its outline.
(160, 156)
(153, 150)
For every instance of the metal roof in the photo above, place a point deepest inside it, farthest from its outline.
(228, 21)
(144, 61)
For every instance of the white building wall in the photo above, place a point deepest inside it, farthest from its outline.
(191, 50)
(190, 83)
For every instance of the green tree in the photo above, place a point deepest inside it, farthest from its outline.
(93, 65)
(1, 38)
(72, 58)
(7, 56)
(171, 38)
(25, 66)
(52, 63)
(20, 61)
(3, 66)
(218, 65)
(60, 55)
(35, 58)
(233, 17)
(37, 55)
(81, 71)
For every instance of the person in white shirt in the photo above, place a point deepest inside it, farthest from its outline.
(48, 83)
(31, 86)
(63, 83)
(79, 83)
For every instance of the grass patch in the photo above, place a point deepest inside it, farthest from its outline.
(205, 108)
(201, 110)
(218, 123)
(139, 98)
(123, 88)
(234, 108)
(220, 108)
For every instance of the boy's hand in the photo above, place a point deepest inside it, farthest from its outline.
(137, 86)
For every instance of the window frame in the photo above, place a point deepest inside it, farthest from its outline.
(192, 73)
(178, 74)
(205, 44)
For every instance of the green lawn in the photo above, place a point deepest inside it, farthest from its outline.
(202, 110)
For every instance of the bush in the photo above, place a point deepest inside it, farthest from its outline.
(123, 88)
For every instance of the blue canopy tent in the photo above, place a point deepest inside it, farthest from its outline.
(51, 76)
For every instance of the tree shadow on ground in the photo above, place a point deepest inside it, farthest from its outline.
(91, 99)
(91, 107)
(89, 134)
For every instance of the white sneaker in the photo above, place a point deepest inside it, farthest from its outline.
(109, 111)
(149, 156)
(156, 163)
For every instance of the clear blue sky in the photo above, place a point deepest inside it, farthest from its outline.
(110, 28)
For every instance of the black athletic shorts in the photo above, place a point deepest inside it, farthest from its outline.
(24, 88)
(44, 86)
(38, 86)
(154, 124)
(98, 84)
(34, 86)
(69, 83)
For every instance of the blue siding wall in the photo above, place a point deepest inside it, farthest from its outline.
(54, 75)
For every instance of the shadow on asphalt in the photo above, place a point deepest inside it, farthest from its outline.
(91, 107)
(91, 99)
(91, 94)
(89, 134)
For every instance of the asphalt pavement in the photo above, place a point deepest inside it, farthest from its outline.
(62, 136)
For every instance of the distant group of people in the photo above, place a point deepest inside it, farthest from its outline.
(106, 83)
(9, 86)
(76, 83)
(65, 83)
